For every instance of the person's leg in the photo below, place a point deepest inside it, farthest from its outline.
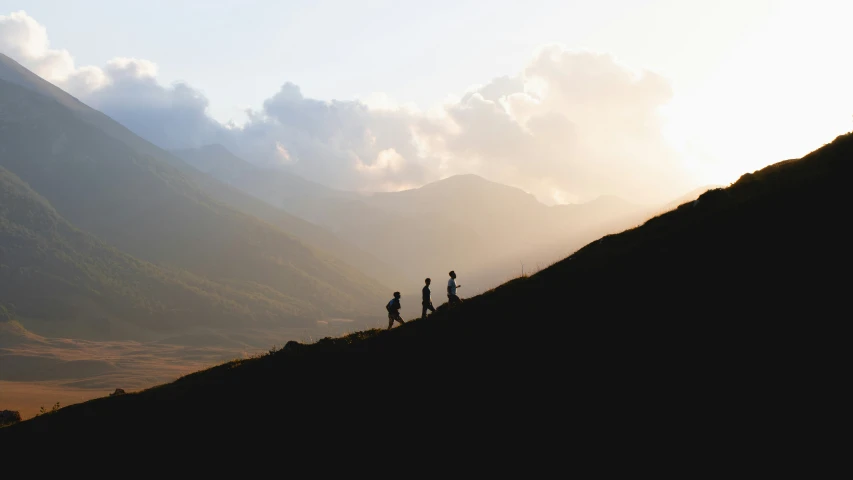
(424, 308)
(390, 321)
(431, 308)
(400, 319)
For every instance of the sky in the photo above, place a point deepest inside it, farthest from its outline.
(568, 100)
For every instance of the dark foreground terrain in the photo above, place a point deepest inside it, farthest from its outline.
(709, 320)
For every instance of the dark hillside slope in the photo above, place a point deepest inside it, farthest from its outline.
(666, 329)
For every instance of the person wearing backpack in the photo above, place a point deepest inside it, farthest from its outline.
(426, 299)
(393, 308)
(451, 289)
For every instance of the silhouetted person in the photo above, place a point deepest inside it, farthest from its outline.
(426, 299)
(393, 308)
(451, 289)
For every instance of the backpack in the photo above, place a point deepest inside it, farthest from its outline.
(389, 306)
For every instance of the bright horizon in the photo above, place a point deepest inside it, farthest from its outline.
(393, 95)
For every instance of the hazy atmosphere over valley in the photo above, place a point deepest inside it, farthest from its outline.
(187, 183)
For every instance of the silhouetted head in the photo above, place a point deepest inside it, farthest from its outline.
(427, 281)
(452, 274)
(396, 294)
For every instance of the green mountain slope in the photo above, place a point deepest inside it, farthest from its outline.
(71, 284)
(212, 185)
(149, 209)
(721, 306)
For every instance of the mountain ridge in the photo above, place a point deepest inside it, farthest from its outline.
(410, 230)
(127, 199)
(224, 183)
(12, 71)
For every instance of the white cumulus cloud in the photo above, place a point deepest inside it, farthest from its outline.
(570, 126)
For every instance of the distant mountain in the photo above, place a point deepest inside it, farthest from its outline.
(219, 162)
(68, 283)
(397, 246)
(723, 305)
(308, 200)
(482, 229)
(512, 219)
(463, 222)
(457, 194)
(487, 231)
(265, 193)
(110, 183)
(273, 185)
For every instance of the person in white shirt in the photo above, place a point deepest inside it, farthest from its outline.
(451, 289)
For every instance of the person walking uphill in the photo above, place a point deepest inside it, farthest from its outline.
(451, 289)
(426, 300)
(393, 308)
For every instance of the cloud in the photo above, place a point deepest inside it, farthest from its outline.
(344, 144)
(171, 117)
(572, 125)
(24, 39)
(580, 119)
(125, 88)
